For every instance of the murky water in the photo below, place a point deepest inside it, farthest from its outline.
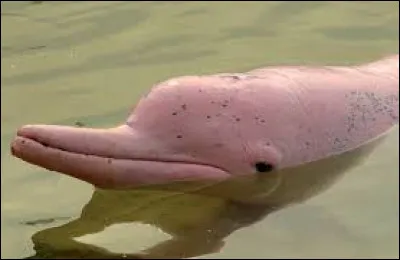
(89, 62)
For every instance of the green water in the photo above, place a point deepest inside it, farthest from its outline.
(89, 62)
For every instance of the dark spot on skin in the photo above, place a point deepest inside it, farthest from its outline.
(208, 117)
(179, 136)
(212, 102)
(174, 114)
(260, 120)
(267, 143)
(224, 105)
(79, 124)
(184, 106)
(340, 144)
(237, 119)
(109, 160)
(263, 167)
(23, 141)
(307, 143)
(200, 90)
(218, 145)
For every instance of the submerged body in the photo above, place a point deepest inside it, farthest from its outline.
(216, 127)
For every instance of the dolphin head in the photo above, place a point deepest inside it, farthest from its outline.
(187, 128)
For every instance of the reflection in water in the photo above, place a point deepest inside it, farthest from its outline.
(197, 216)
(197, 224)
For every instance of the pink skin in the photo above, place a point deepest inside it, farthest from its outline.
(218, 126)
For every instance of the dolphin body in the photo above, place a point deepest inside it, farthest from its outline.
(235, 126)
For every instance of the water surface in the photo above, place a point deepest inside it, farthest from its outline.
(89, 62)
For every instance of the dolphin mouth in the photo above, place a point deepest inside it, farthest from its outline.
(115, 158)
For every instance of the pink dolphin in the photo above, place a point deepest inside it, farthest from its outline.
(215, 127)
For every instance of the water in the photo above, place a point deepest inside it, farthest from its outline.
(89, 62)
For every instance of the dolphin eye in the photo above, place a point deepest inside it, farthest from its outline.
(263, 167)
